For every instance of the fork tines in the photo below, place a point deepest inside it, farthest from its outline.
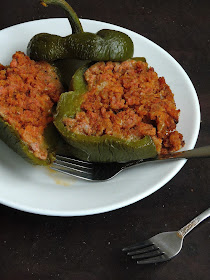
(75, 167)
(145, 253)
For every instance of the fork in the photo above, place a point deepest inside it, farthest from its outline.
(163, 246)
(93, 171)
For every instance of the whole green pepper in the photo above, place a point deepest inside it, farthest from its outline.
(104, 148)
(103, 46)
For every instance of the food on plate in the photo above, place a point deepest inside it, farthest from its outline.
(103, 46)
(118, 108)
(118, 112)
(28, 92)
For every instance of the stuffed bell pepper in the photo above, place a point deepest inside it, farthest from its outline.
(118, 111)
(29, 91)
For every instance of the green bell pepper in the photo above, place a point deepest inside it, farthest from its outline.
(104, 148)
(105, 45)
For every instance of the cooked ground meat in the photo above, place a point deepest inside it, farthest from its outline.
(128, 100)
(28, 91)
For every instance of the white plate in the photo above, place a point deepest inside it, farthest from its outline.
(37, 190)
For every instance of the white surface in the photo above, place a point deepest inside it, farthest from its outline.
(37, 190)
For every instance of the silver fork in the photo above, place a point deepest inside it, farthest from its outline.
(163, 246)
(93, 171)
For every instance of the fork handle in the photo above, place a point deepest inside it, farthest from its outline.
(194, 153)
(196, 221)
(201, 152)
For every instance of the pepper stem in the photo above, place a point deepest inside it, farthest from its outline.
(72, 16)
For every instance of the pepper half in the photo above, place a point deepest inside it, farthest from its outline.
(28, 93)
(103, 148)
(105, 45)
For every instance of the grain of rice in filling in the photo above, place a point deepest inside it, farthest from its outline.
(128, 100)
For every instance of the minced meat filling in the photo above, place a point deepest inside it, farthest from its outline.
(128, 100)
(28, 91)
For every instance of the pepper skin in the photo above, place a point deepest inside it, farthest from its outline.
(65, 69)
(10, 136)
(105, 45)
(104, 148)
